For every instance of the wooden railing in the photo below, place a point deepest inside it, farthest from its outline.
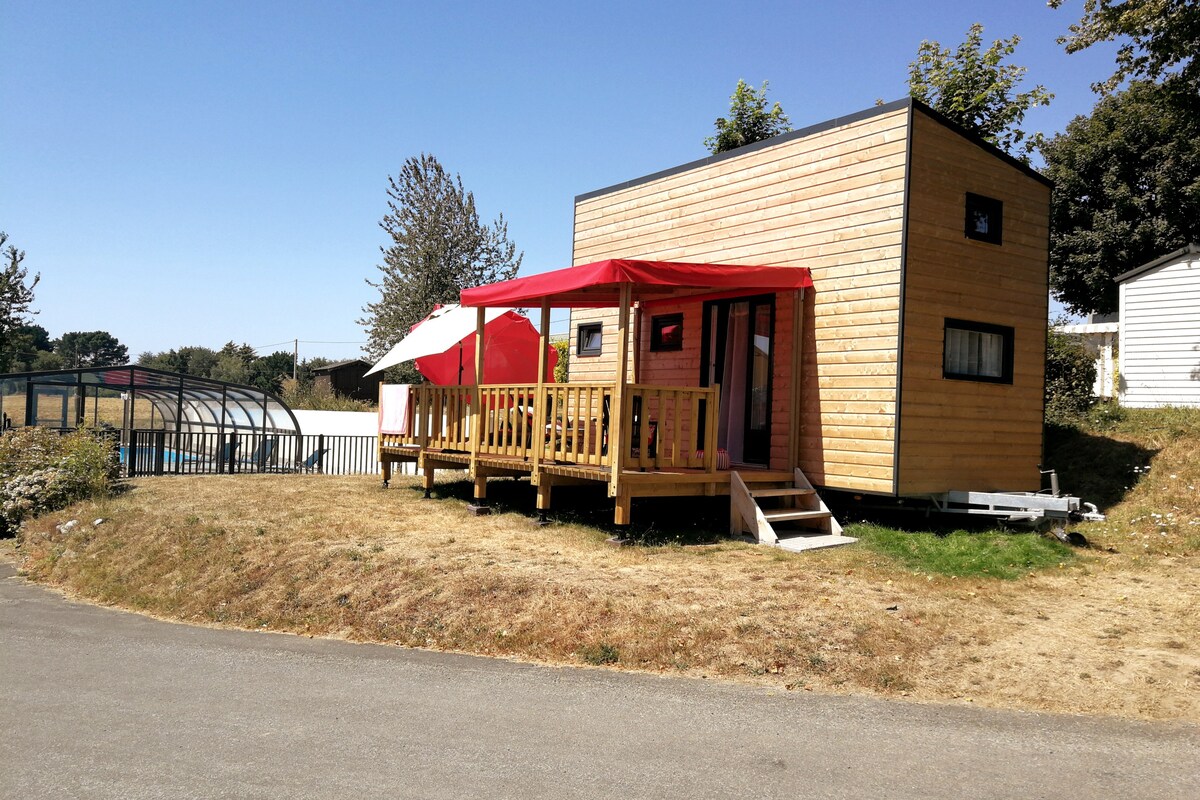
(663, 426)
(577, 423)
(438, 417)
(508, 420)
(670, 426)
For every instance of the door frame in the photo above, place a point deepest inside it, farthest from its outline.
(761, 454)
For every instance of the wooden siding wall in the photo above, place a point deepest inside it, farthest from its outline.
(831, 201)
(1160, 336)
(957, 434)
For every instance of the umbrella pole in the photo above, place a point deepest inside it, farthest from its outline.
(460, 363)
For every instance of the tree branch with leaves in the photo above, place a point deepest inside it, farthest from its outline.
(16, 296)
(976, 89)
(749, 120)
(1161, 40)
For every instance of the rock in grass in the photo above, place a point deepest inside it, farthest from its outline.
(67, 526)
(98, 521)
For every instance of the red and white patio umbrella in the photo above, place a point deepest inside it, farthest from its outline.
(443, 348)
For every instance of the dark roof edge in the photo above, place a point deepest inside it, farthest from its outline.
(338, 364)
(975, 138)
(1158, 262)
(867, 113)
(750, 148)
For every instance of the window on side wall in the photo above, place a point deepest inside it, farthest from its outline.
(590, 339)
(985, 219)
(666, 332)
(977, 351)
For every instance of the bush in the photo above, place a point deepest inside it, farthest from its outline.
(319, 397)
(1070, 378)
(563, 368)
(42, 471)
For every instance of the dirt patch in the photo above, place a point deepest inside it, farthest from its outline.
(1107, 633)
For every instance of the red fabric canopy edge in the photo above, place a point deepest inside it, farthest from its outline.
(598, 285)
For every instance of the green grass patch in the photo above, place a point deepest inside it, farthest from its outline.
(991, 554)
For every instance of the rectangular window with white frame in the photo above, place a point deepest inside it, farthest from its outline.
(977, 351)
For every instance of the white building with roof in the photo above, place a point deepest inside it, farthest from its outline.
(1159, 346)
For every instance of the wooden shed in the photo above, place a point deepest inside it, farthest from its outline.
(924, 336)
(348, 378)
(1160, 332)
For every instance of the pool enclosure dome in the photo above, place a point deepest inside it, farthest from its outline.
(181, 403)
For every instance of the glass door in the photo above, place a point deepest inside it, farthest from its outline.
(738, 353)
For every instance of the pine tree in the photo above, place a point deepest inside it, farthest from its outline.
(438, 248)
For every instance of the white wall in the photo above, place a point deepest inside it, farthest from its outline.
(1160, 336)
(1099, 339)
(338, 423)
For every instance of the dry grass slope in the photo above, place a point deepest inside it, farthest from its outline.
(1110, 633)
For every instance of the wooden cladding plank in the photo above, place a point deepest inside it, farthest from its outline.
(861, 137)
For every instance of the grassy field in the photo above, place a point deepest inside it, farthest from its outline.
(1010, 620)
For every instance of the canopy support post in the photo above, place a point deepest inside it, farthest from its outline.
(538, 439)
(616, 425)
(477, 418)
(637, 344)
(796, 399)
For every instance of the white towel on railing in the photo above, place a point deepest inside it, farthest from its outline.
(393, 408)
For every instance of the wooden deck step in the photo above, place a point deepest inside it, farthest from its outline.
(793, 514)
(803, 505)
(785, 491)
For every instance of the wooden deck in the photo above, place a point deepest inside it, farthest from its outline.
(669, 436)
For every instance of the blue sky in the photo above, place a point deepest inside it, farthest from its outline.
(194, 173)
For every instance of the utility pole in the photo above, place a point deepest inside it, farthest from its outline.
(295, 356)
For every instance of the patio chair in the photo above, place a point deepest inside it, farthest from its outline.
(264, 454)
(311, 463)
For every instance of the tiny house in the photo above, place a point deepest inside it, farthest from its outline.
(857, 306)
(923, 337)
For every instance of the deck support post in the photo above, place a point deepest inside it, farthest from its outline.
(540, 423)
(616, 442)
(475, 435)
(624, 510)
(427, 481)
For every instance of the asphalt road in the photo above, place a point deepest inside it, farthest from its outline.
(97, 703)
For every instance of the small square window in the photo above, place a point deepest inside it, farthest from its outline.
(590, 339)
(666, 332)
(976, 351)
(985, 218)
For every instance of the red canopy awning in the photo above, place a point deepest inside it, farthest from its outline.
(599, 285)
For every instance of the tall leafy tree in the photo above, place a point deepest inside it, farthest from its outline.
(1160, 39)
(749, 120)
(16, 296)
(978, 90)
(90, 349)
(1127, 190)
(24, 346)
(438, 248)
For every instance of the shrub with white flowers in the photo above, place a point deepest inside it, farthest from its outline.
(42, 471)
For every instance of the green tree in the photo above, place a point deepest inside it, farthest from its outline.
(438, 248)
(24, 345)
(90, 349)
(977, 89)
(269, 372)
(749, 120)
(1127, 190)
(1162, 38)
(15, 298)
(1070, 377)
